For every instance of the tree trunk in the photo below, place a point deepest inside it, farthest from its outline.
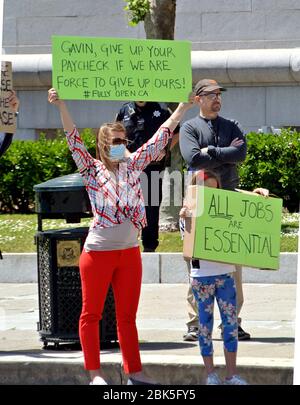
(160, 22)
(172, 191)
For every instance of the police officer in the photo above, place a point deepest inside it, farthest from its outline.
(141, 120)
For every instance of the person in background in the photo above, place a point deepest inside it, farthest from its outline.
(6, 138)
(111, 253)
(212, 142)
(141, 120)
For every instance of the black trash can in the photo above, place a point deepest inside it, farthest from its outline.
(58, 253)
(63, 197)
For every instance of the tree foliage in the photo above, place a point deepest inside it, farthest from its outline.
(27, 163)
(137, 10)
(273, 162)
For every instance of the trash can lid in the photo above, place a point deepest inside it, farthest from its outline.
(71, 182)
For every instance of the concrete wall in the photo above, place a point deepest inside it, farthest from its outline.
(210, 25)
(263, 84)
(263, 90)
(29, 24)
(253, 107)
(239, 24)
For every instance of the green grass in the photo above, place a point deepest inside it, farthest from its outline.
(17, 233)
(289, 243)
(170, 242)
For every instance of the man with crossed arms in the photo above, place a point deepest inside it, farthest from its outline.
(209, 141)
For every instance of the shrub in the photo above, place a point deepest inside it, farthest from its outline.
(27, 163)
(273, 162)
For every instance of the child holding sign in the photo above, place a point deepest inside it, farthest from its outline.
(211, 280)
(111, 252)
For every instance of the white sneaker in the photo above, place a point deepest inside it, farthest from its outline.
(213, 379)
(98, 381)
(235, 380)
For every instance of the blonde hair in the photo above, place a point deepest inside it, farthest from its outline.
(103, 145)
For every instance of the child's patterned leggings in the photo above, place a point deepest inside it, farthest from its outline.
(205, 290)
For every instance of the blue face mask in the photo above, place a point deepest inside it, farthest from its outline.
(117, 152)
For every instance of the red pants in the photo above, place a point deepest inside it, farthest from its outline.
(123, 269)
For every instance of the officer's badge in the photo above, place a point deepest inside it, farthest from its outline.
(156, 113)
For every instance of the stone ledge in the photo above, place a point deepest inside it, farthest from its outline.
(170, 370)
(231, 67)
(157, 268)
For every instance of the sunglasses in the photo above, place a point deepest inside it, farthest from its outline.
(212, 96)
(120, 141)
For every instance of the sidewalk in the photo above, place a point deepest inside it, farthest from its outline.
(268, 314)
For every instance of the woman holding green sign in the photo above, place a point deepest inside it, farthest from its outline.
(111, 253)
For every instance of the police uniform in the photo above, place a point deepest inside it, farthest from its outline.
(141, 123)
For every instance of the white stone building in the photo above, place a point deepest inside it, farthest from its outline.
(250, 46)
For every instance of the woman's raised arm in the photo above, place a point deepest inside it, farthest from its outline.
(81, 156)
(66, 118)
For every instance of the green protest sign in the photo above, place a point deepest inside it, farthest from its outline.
(86, 68)
(233, 227)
